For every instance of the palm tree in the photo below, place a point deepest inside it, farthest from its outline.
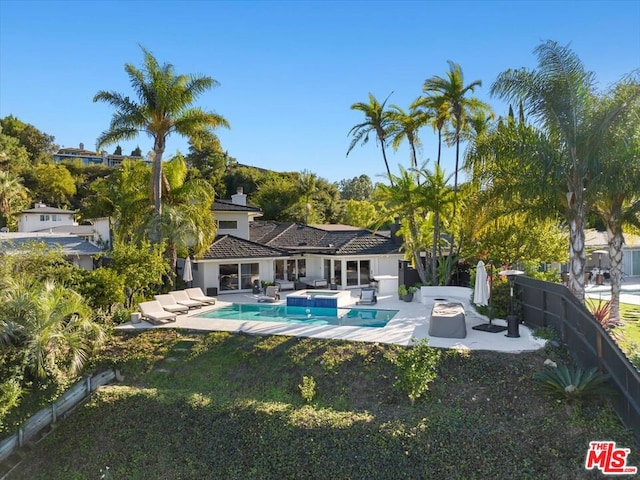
(13, 196)
(617, 196)
(560, 96)
(449, 98)
(377, 120)
(405, 126)
(403, 199)
(435, 108)
(52, 326)
(186, 222)
(438, 199)
(164, 106)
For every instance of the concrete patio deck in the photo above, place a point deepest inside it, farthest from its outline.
(411, 321)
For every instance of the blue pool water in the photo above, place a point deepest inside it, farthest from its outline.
(358, 317)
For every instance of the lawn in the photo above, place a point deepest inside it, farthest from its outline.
(227, 406)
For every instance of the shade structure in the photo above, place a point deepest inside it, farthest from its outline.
(481, 290)
(187, 274)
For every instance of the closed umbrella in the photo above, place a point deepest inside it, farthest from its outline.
(187, 274)
(481, 290)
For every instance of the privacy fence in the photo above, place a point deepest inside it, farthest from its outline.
(32, 429)
(544, 304)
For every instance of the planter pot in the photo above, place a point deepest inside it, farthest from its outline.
(408, 297)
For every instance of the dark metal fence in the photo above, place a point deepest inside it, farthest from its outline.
(544, 304)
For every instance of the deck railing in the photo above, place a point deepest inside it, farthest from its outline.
(544, 304)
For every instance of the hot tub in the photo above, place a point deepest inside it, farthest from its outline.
(320, 298)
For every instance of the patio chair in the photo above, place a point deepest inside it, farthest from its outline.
(181, 297)
(153, 312)
(271, 295)
(169, 304)
(198, 295)
(367, 296)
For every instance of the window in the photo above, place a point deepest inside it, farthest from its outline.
(44, 218)
(241, 276)
(56, 218)
(228, 224)
(358, 272)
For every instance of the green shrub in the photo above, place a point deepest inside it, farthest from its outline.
(103, 288)
(417, 368)
(10, 393)
(546, 333)
(574, 384)
(308, 388)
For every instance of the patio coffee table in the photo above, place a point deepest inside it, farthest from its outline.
(447, 320)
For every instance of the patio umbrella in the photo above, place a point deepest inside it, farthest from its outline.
(481, 290)
(187, 274)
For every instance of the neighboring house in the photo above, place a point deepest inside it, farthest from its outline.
(595, 240)
(45, 219)
(75, 249)
(246, 250)
(89, 157)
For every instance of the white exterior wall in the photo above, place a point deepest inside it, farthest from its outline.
(242, 231)
(30, 222)
(101, 227)
(83, 261)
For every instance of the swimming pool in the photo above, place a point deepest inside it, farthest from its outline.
(355, 317)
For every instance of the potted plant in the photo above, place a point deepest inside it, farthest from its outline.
(405, 293)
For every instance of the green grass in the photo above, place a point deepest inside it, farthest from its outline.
(226, 406)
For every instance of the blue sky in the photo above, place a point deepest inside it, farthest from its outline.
(289, 71)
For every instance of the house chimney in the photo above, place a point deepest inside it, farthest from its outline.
(81, 146)
(393, 229)
(239, 198)
(40, 205)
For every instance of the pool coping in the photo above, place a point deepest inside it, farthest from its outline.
(409, 324)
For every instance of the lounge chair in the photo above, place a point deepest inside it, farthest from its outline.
(181, 297)
(367, 296)
(153, 312)
(169, 304)
(270, 295)
(198, 295)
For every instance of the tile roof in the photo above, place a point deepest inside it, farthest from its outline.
(228, 246)
(296, 237)
(228, 206)
(47, 210)
(70, 244)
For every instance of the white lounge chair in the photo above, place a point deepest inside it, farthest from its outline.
(169, 304)
(198, 295)
(154, 313)
(270, 295)
(367, 297)
(181, 297)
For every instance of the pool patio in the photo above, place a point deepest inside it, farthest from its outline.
(411, 321)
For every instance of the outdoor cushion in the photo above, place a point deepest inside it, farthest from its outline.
(271, 295)
(154, 312)
(447, 320)
(198, 295)
(181, 297)
(367, 296)
(169, 304)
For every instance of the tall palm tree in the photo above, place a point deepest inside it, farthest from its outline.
(617, 196)
(377, 120)
(13, 196)
(307, 182)
(435, 108)
(450, 97)
(405, 126)
(560, 96)
(164, 106)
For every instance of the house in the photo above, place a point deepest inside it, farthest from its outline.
(88, 157)
(597, 241)
(44, 219)
(247, 249)
(75, 248)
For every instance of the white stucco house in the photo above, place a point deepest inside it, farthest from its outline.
(247, 249)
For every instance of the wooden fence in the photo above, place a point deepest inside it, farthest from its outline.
(30, 429)
(543, 304)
